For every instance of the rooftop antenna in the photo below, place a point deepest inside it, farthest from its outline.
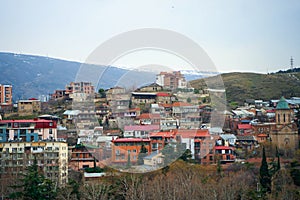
(292, 63)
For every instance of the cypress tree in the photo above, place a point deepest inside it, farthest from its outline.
(142, 155)
(278, 159)
(34, 186)
(265, 177)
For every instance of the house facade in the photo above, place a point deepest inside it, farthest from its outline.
(29, 107)
(28, 130)
(124, 149)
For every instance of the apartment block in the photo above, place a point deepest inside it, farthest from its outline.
(171, 80)
(80, 87)
(52, 159)
(5, 95)
(33, 130)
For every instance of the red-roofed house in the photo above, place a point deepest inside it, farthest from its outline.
(198, 141)
(244, 129)
(122, 148)
(224, 154)
(160, 139)
(262, 137)
(163, 97)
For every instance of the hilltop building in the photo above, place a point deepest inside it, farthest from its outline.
(79, 87)
(171, 80)
(29, 107)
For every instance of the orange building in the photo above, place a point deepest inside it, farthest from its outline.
(160, 139)
(80, 87)
(5, 95)
(122, 148)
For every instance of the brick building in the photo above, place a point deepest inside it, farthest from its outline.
(5, 95)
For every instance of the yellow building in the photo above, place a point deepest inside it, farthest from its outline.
(29, 107)
(52, 159)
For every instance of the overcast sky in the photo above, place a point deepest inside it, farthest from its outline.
(255, 36)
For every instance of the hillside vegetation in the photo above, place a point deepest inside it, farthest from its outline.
(241, 86)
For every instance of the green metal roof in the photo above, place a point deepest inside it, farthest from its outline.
(282, 104)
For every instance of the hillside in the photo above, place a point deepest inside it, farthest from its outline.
(241, 86)
(32, 76)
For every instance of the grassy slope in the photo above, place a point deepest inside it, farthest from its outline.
(241, 86)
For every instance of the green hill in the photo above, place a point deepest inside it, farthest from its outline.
(241, 86)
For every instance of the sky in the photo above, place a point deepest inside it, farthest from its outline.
(253, 36)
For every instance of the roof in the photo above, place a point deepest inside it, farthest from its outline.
(222, 148)
(163, 134)
(141, 127)
(166, 105)
(180, 104)
(242, 113)
(144, 93)
(245, 137)
(282, 104)
(93, 175)
(149, 116)
(71, 112)
(262, 135)
(152, 155)
(29, 100)
(227, 136)
(131, 140)
(162, 94)
(215, 130)
(26, 120)
(244, 126)
(192, 133)
(150, 85)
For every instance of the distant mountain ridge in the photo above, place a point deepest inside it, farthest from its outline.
(33, 76)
